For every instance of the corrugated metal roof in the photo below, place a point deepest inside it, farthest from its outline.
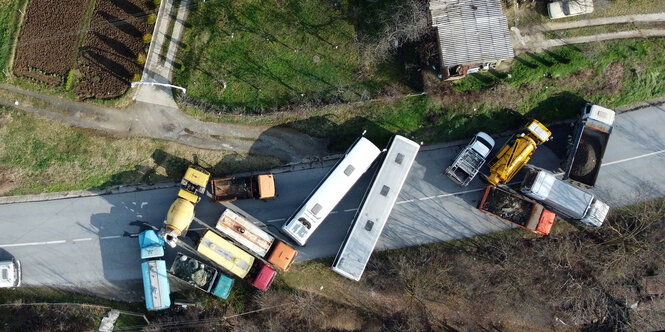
(471, 31)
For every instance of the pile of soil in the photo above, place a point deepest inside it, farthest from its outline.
(48, 41)
(586, 158)
(507, 206)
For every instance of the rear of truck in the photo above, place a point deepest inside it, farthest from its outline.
(590, 140)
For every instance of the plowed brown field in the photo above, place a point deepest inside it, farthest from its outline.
(48, 40)
(108, 58)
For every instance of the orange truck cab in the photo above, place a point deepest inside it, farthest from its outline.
(282, 255)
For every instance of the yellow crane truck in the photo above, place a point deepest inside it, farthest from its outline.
(517, 152)
(181, 212)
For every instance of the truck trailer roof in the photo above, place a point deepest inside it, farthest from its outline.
(562, 197)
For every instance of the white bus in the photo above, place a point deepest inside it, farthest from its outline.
(331, 190)
(375, 209)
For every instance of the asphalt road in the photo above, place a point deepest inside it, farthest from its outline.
(89, 244)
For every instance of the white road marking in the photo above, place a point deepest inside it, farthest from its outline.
(350, 210)
(278, 219)
(633, 158)
(110, 237)
(81, 240)
(32, 244)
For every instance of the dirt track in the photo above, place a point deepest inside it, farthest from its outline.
(532, 38)
(154, 121)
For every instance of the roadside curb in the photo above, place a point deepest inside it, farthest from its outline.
(326, 161)
(124, 189)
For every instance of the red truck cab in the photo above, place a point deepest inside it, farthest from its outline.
(261, 275)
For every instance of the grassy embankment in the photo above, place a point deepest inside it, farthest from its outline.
(548, 86)
(38, 155)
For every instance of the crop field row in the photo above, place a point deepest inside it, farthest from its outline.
(48, 40)
(108, 59)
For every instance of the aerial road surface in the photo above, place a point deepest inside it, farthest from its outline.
(89, 244)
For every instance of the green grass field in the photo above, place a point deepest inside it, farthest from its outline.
(255, 54)
(548, 86)
(8, 25)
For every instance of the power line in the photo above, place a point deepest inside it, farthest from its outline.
(193, 323)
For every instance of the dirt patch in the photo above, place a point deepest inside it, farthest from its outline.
(47, 45)
(612, 76)
(109, 58)
(7, 180)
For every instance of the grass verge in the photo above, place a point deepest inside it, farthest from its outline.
(38, 155)
(9, 16)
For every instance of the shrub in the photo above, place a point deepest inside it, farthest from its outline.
(152, 18)
(136, 77)
(70, 80)
(157, 2)
(147, 38)
(141, 58)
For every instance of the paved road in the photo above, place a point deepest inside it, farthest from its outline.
(87, 243)
(159, 67)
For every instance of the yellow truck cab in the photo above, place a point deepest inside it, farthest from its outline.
(181, 212)
(517, 152)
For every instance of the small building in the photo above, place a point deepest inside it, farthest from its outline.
(471, 34)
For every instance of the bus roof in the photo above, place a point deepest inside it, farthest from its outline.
(224, 253)
(331, 190)
(375, 209)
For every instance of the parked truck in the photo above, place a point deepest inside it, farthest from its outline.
(564, 198)
(517, 209)
(201, 276)
(517, 152)
(469, 161)
(585, 154)
(229, 189)
(244, 232)
(181, 212)
(156, 288)
(235, 260)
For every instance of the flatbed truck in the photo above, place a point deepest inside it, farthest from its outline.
(202, 276)
(229, 189)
